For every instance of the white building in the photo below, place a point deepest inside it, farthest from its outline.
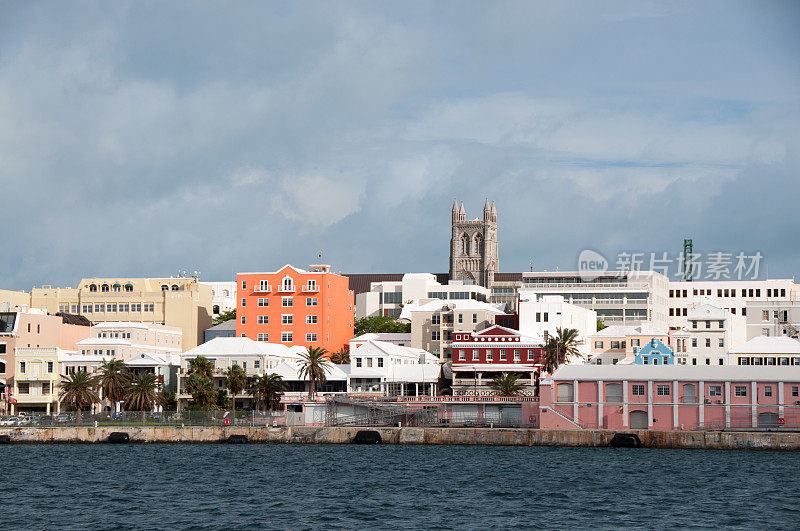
(711, 332)
(378, 367)
(399, 339)
(618, 297)
(387, 298)
(223, 296)
(256, 358)
(731, 295)
(125, 341)
(773, 318)
(540, 316)
(764, 350)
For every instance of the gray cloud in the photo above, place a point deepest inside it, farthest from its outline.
(151, 137)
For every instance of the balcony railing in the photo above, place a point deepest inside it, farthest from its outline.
(309, 288)
(266, 288)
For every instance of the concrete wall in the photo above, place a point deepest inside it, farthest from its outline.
(479, 436)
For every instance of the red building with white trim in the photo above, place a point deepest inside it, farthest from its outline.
(478, 357)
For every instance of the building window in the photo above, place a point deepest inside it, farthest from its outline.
(244, 284)
(263, 285)
(635, 342)
(474, 318)
(637, 390)
(795, 391)
(615, 344)
(149, 307)
(544, 317)
(462, 356)
(263, 336)
(286, 337)
(369, 362)
(263, 319)
(311, 337)
(721, 342)
(765, 332)
(460, 318)
(765, 315)
(598, 344)
(311, 301)
(22, 367)
(358, 362)
(50, 367)
(538, 317)
(517, 355)
(662, 390)
(262, 301)
(741, 390)
(311, 319)
(24, 388)
(503, 354)
(256, 364)
(708, 342)
(694, 324)
(715, 390)
(436, 319)
(767, 390)
(694, 342)
(244, 301)
(287, 319)
(475, 355)
(435, 335)
(489, 355)
(45, 388)
(287, 302)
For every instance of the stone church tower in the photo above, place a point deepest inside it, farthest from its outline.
(473, 246)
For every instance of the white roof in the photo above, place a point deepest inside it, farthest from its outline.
(455, 304)
(678, 372)
(768, 345)
(95, 341)
(390, 349)
(116, 325)
(645, 328)
(238, 346)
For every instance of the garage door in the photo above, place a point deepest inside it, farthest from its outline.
(638, 420)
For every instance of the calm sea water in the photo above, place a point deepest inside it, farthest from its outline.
(369, 487)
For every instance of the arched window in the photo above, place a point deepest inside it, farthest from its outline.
(92, 287)
(175, 287)
(104, 287)
(479, 244)
(465, 244)
(164, 287)
(288, 284)
(117, 287)
(128, 287)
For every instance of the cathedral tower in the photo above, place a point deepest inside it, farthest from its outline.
(473, 246)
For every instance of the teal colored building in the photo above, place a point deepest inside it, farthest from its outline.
(653, 353)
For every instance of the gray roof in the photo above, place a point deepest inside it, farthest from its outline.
(230, 324)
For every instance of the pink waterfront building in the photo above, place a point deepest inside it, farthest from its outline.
(670, 397)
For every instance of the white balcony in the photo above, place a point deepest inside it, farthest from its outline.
(265, 288)
(310, 288)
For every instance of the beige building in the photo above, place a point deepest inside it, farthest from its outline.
(176, 302)
(615, 343)
(432, 323)
(36, 382)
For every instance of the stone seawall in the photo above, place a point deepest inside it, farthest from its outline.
(480, 436)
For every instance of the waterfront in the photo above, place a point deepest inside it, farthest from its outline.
(346, 486)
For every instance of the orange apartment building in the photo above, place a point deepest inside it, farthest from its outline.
(292, 306)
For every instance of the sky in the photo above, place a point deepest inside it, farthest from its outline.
(137, 139)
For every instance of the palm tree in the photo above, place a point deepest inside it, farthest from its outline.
(202, 390)
(267, 390)
(341, 356)
(142, 393)
(236, 382)
(314, 367)
(168, 400)
(507, 385)
(202, 366)
(79, 390)
(114, 381)
(560, 348)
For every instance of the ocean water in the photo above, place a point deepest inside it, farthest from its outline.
(218, 486)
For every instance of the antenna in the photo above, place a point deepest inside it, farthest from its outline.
(531, 266)
(319, 257)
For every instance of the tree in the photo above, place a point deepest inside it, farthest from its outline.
(378, 324)
(600, 325)
(79, 390)
(225, 316)
(114, 381)
(507, 385)
(341, 356)
(236, 382)
(168, 399)
(267, 390)
(202, 390)
(560, 348)
(221, 401)
(314, 366)
(201, 366)
(143, 393)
